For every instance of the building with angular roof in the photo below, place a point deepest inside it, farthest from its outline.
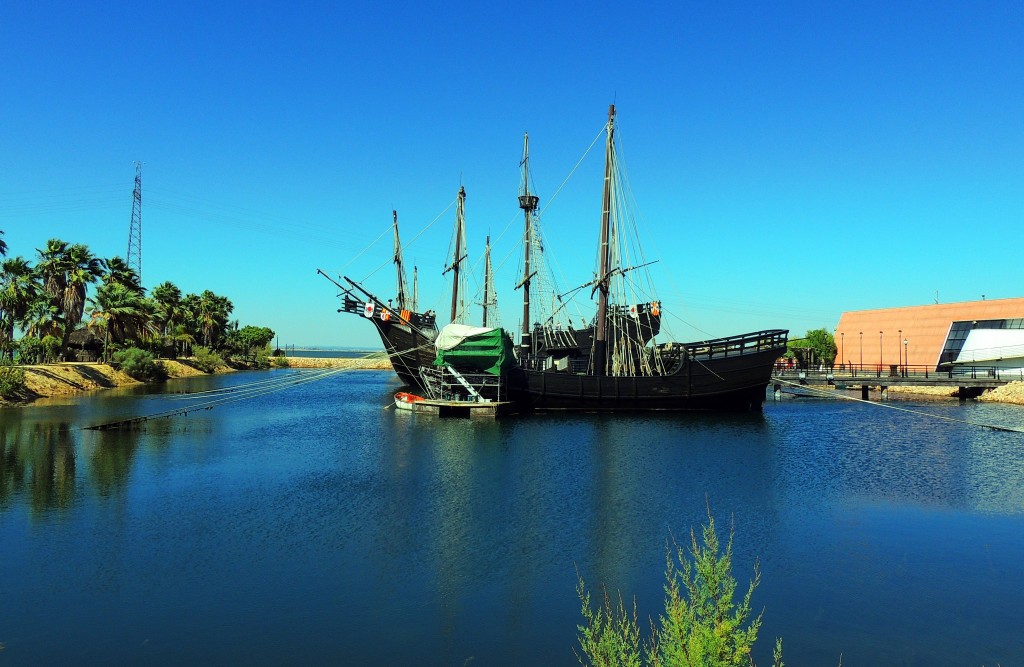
(941, 336)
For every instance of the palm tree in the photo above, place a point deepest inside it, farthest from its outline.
(212, 316)
(3, 244)
(124, 313)
(168, 303)
(19, 290)
(118, 271)
(42, 318)
(52, 267)
(67, 272)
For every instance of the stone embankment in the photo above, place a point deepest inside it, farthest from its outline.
(366, 363)
(1008, 393)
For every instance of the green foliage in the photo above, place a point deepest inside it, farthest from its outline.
(703, 624)
(140, 365)
(206, 359)
(12, 381)
(611, 636)
(279, 361)
(250, 342)
(262, 357)
(49, 298)
(30, 350)
(51, 349)
(818, 346)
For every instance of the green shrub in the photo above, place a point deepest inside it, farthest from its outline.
(262, 357)
(12, 381)
(702, 623)
(139, 364)
(51, 349)
(30, 350)
(279, 361)
(206, 359)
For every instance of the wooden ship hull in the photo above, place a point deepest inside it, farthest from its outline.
(408, 337)
(727, 374)
(614, 365)
(408, 349)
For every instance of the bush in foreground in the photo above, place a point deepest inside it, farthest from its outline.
(12, 381)
(140, 365)
(702, 624)
(206, 359)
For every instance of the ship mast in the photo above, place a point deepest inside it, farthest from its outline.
(398, 263)
(528, 203)
(487, 278)
(458, 256)
(603, 278)
(415, 288)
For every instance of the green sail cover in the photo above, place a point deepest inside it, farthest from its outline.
(481, 350)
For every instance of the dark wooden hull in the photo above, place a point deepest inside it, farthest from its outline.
(734, 382)
(408, 342)
(408, 349)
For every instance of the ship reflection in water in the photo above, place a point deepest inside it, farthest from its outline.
(311, 524)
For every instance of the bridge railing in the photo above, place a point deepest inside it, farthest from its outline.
(881, 371)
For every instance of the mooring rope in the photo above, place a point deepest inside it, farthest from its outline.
(190, 395)
(210, 404)
(832, 394)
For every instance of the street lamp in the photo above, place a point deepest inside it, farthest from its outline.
(842, 350)
(906, 357)
(862, 350)
(899, 352)
(879, 351)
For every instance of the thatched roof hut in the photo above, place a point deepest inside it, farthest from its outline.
(86, 344)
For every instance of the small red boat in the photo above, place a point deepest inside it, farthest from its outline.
(404, 400)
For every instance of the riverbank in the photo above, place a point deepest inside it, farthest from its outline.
(68, 378)
(64, 379)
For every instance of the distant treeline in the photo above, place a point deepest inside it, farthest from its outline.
(72, 305)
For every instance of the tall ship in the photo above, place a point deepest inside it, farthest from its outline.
(407, 334)
(615, 362)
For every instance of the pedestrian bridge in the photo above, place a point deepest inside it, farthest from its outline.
(971, 380)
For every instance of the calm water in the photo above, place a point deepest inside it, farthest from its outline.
(312, 526)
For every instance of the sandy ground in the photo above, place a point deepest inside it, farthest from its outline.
(64, 379)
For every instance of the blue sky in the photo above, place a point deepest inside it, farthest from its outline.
(789, 160)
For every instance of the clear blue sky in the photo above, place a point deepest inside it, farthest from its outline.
(790, 160)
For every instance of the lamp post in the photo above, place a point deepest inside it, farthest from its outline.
(906, 358)
(842, 350)
(862, 350)
(899, 352)
(879, 351)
